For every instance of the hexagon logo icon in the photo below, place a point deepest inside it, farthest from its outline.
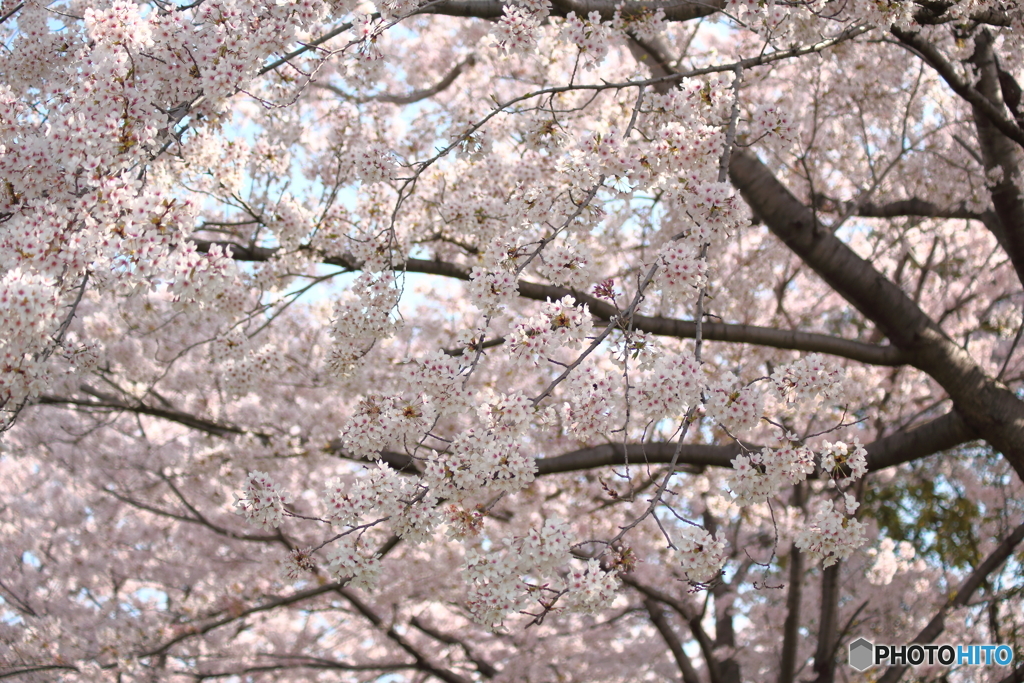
(861, 654)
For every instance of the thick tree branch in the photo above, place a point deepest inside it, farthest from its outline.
(309, 663)
(655, 55)
(981, 104)
(907, 445)
(1015, 676)
(683, 10)
(828, 625)
(903, 446)
(668, 327)
(14, 10)
(690, 615)
(485, 668)
(936, 13)
(913, 206)
(35, 668)
(691, 455)
(999, 155)
(273, 603)
(422, 663)
(794, 598)
(108, 402)
(262, 538)
(987, 406)
(961, 596)
(301, 662)
(311, 45)
(660, 621)
(925, 209)
(872, 354)
(415, 95)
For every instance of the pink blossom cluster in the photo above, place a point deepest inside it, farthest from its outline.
(291, 223)
(559, 325)
(590, 35)
(381, 420)
(635, 349)
(700, 554)
(517, 30)
(738, 409)
(758, 476)
(243, 374)
(644, 25)
(348, 558)
(479, 461)
(490, 291)
(681, 273)
(262, 503)
(362, 318)
(844, 462)
(441, 378)
(28, 313)
(529, 567)
(892, 558)
(587, 411)
(508, 415)
(566, 263)
(201, 279)
(831, 536)
(589, 590)
(379, 491)
(382, 494)
(809, 379)
(673, 384)
(685, 149)
(373, 163)
(715, 209)
(771, 123)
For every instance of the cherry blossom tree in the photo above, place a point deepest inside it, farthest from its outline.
(509, 340)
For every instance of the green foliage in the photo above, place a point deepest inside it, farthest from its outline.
(930, 512)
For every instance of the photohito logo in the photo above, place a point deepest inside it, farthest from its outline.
(865, 654)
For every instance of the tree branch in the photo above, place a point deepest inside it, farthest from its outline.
(900, 447)
(297, 596)
(936, 13)
(794, 598)
(981, 104)
(914, 443)
(924, 209)
(828, 625)
(905, 445)
(682, 10)
(422, 663)
(302, 662)
(690, 615)
(660, 621)
(1015, 676)
(961, 596)
(692, 457)
(999, 156)
(987, 406)
(913, 206)
(602, 310)
(108, 402)
(415, 95)
(483, 666)
(35, 668)
(263, 538)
